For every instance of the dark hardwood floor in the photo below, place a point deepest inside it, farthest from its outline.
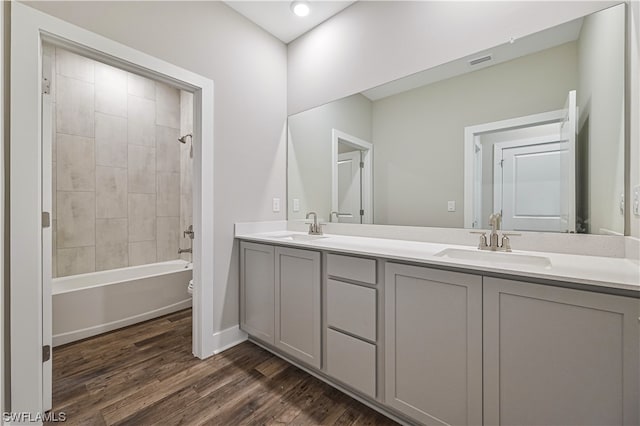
(145, 375)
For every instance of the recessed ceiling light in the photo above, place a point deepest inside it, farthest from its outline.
(300, 8)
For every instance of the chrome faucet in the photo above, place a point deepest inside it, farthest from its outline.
(189, 232)
(188, 250)
(495, 243)
(314, 228)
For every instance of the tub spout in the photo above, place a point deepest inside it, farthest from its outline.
(187, 250)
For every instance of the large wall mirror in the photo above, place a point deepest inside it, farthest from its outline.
(533, 129)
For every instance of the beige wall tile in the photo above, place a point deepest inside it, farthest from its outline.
(75, 163)
(168, 238)
(112, 244)
(111, 99)
(168, 195)
(141, 121)
(111, 90)
(141, 86)
(142, 169)
(75, 66)
(77, 260)
(142, 253)
(142, 217)
(106, 74)
(76, 219)
(186, 112)
(167, 149)
(74, 107)
(54, 198)
(167, 106)
(111, 192)
(111, 140)
(54, 247)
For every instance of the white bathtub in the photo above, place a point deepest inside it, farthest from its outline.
(89, 304)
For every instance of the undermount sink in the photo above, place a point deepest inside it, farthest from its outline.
(490, 257)
(300, 237)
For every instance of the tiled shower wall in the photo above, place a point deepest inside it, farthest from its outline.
(117, 184)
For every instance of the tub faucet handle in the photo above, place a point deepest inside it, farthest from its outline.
(189, 232)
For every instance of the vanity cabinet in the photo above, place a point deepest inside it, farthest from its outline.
(297, 304)
(558, 356)
(257, 291)
(433, 344)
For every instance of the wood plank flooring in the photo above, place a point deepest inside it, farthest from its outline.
(146, 375)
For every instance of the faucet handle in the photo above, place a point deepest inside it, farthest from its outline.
(506, 242)
(483, 239)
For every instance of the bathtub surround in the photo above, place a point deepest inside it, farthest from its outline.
(184, 191)
(119, 182)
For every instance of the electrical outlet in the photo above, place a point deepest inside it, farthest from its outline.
(296, 204)
(636, 200)
(451, 206)
(276, 205)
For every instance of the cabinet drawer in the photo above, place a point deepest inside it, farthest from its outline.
(352, 308)
(352, 268)
(352, 361)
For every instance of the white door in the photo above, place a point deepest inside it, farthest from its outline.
(349, 187)
(47, 237)
(568, 131)
(529, 191)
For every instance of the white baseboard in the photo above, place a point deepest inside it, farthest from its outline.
(72, 336)
(228, 338)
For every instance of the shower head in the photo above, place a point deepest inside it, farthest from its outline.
(183, 139)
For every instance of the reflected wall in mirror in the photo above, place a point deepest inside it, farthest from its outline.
(533, 128)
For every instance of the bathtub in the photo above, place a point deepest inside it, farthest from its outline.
(88, 304)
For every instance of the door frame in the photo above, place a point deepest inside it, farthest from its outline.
(472, 136)
(366, 148)
(29, 28)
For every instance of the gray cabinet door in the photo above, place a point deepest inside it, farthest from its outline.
(433, 344)
(557, 356)
(298, 304)
(257, 290)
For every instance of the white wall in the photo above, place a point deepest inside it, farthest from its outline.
(601, 106)
(310, 150)
(418, 135)
(248, 67)
(370, 42)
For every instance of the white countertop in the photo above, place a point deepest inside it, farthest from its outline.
(599, 271)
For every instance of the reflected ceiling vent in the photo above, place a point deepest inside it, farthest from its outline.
(480, 60)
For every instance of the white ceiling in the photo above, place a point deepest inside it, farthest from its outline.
(277, 18)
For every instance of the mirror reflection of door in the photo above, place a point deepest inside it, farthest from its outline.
(349, 187)
(529, 192)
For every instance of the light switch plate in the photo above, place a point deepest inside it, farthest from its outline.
(636, 200)
(276, 205)
(296, 204)
(451, 206)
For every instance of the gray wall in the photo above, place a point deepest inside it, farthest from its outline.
(601, 106)
(310, 150)
(116, 167)
(418, 135)
(248, 67)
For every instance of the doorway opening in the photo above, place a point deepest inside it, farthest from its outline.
(525, 169)
(31, 187)
(351, 179)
